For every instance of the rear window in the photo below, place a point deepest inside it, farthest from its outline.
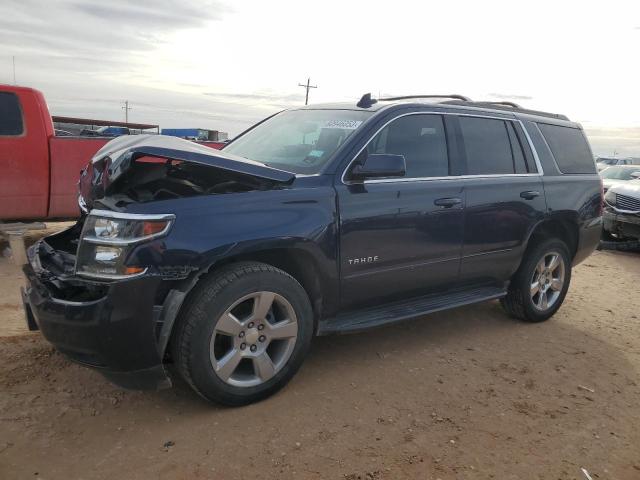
(10, 114)
(569, 148)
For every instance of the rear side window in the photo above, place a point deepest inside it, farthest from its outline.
(519, 162)
(569, 148)
(489, 147)
(10, 114)
(420, 139)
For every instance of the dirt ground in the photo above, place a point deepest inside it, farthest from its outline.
(465, 394)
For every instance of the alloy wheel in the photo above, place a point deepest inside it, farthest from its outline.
(253, 340)
(547, 281)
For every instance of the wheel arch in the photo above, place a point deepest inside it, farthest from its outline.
(304, 266)
(562, 227)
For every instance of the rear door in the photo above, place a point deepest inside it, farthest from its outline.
(504, 197)
(402, 236)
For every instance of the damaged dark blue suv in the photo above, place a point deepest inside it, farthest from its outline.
(318, 220)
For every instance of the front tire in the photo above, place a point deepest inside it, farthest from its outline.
(540, 285)
(243, 333)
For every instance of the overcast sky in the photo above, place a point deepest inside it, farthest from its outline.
(225, 64)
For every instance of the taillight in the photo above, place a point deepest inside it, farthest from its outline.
(601, 197)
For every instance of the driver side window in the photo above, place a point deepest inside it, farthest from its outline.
(421, 139)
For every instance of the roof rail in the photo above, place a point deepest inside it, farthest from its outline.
(505, 103)
(409, 97)
(507, 106)
(366, 101)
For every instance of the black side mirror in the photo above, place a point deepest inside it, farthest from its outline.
(380, 165)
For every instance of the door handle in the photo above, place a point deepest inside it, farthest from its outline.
(447, 202)
(529, 194)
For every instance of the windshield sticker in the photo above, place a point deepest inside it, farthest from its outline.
(315, 153)
(343, 124)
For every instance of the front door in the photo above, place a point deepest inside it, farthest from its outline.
(402, 236)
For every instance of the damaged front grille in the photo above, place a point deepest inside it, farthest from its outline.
(625, 202)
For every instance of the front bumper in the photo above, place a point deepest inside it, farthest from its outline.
(115, 332)
(625, 225)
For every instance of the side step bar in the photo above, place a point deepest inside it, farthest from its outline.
(389, 313)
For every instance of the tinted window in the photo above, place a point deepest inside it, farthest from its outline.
(569, 147)
(487, 146)
(10, 114)
(420, 139)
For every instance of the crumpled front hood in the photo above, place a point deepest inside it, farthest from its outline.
(123, 149)
(116, 157)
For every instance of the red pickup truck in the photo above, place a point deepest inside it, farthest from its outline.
(39, 171)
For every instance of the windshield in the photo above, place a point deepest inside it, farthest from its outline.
(608, 161)
(619, 173)
(299, 141)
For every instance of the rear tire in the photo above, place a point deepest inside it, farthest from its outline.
(243, 333)
(540, 285)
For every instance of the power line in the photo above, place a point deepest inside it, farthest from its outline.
(307, 86)
(126, 109)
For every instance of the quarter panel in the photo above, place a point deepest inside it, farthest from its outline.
(577, 199)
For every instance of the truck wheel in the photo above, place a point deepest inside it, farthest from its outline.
(243, 333)
(539, 286)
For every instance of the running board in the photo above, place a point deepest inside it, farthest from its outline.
(404, 309)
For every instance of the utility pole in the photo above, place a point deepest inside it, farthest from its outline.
(126, 109)
(307, 86)
(14, 69)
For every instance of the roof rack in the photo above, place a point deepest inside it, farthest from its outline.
(366, 101)
(511, 106)
(409, 97)
(505, 103)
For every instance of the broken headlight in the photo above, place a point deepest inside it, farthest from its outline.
(610, 198)
(108, 237)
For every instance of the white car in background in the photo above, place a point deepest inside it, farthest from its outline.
(604, 162)
(621, 218)
(619, 175)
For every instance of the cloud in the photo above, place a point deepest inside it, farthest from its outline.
(605, 140)
(98, 34)
(88, 57)
(275, 99)
(509, 96)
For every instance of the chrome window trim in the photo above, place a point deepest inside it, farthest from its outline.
(449, 177)
(452, 177)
